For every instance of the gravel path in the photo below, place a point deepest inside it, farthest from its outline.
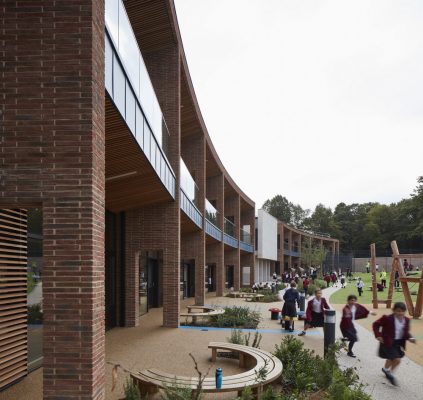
(368, 364)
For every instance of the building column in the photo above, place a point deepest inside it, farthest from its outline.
(193, 151)
(165, 71)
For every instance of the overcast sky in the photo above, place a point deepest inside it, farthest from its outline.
(320, 101)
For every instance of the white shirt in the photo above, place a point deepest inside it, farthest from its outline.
(359, 284)
(399, 328)
(316, 306)
(353, 310)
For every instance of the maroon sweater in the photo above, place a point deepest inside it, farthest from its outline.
(385, 327)
(346, 321)
(323, 306)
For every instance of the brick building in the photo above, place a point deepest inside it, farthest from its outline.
(279, 247)
(102, 132)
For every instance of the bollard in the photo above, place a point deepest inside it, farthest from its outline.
(218, 378)
(329, 329)
(302, 301)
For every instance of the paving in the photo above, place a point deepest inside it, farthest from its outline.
(368, 364)
(152, 346)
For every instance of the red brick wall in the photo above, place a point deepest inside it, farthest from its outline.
(232, 208)
(52, 155)
(215, 252)
(165, 73)
(193, 150)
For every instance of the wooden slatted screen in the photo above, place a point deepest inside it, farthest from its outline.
(13, 296)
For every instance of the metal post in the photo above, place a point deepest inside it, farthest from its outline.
(329, 329)
(302, 301)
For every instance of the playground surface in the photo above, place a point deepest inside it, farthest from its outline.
(339, 297)
(152, 346)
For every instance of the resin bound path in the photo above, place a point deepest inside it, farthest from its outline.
(368, 364)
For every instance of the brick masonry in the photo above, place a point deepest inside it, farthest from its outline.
(52, 155)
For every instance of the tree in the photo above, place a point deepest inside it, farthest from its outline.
(279, 207)
(285, 211)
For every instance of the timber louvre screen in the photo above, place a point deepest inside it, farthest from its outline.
(13, 296)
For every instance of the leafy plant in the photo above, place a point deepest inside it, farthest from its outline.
(131, 390)
(236, 317)
(35, 315)
(237, 337)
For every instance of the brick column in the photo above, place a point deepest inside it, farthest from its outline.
(52, 155)
(164, 69)
(232, 208)
(193, 151)
(215, 252)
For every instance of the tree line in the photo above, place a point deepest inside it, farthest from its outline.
(357, 225)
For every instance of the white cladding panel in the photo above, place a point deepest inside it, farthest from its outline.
(267, 231)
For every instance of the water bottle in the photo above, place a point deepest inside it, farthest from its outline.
(218, 378)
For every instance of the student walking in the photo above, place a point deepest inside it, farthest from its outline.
(351, 312)
(327, 280)
(393, 331)
(306, 283)
(315, 312)
(334, 279)
(289, 309)
(359, 285)
(342, 281)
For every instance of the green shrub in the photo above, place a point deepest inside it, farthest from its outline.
(237, 337)
(246, 290)
(131, 391)
(305, 372)
(320, 283)
(236, 317)
(267, 298)
(35, 315)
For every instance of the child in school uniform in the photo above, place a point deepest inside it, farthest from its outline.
(393, 331)
(315, 312)
(351, 312)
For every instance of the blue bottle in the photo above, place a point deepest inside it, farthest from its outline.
(218, 378)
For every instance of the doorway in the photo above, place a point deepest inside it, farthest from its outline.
(188, 279)
(211, 277)
(153, 298)
(229, 276)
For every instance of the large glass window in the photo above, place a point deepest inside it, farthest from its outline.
(109, 66)
(119, 84)
(130, 108)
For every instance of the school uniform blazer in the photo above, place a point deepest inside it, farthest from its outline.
(323, 306)
(346, 321)
(385, 327)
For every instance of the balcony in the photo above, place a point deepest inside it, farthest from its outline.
(189, 196)
(129, 87)
(245, 240)
(229, 234)
(291, 253)
(211, 221)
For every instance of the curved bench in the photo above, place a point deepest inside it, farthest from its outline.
(245, 295)
(151, 380)
(207, 312)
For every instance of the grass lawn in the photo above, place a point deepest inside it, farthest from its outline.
(340, 297)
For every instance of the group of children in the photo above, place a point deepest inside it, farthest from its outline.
(392, 331)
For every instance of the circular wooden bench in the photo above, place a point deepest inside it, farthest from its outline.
(151, 380)
(205, 312)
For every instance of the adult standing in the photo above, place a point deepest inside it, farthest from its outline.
(289, 309)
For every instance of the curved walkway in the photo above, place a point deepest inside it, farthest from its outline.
(368, 364)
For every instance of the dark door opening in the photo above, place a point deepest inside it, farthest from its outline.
(153, 283)
(229, 276)
(188, 276)
(211, 277)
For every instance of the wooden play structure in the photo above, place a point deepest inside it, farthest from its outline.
(397, 265)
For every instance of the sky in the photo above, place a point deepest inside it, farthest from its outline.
(320, 101)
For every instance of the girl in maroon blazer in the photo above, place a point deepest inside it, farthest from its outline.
(393, 331)
(350, 313)
(314, 316)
